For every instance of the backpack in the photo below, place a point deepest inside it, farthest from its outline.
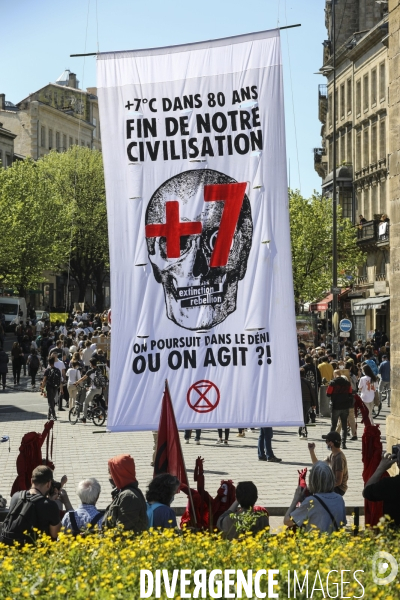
(150, 508)
(34, 362)
(54, 378)
(39, 341)
(74, 525)
(21, 518)
(100, 380)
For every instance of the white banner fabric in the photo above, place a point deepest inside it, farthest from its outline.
(193, 141)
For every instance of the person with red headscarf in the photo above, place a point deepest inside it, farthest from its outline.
(128, 506)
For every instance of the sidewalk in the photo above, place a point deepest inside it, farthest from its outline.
(81, 451)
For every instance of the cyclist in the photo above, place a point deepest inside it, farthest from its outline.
(97, 382)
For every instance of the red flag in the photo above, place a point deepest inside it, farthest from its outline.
(169, 457)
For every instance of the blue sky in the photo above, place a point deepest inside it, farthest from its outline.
(38, 38)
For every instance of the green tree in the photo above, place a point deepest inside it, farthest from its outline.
(32, 226)
(311, 234)
(78, 180)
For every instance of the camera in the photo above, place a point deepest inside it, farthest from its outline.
(395, 451)
(55, 486)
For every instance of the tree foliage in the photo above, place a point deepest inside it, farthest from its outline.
(32, 226)
(311, 234)
(53, 217)
(78, 180)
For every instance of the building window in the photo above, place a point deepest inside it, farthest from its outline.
(50, 139)
(382, 82)
(366, 147)
(349, 98)
(358, 150)
(8, 160)
(382, 138)
(1, 158)
(374, 143)
(95, 128)
(64, 142)
(366, 93)
(71, 142)
(330, 157)
(374, 87)
(349, 147)
(336, 107)
(374, 200)
(347, 204)
(76, 142)
(358, 97)
(366, 211)
(382, 190)
(342, 147)
(43, 136)
(342, 102)
(330, 108)
(57, 141)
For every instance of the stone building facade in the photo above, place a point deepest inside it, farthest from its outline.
(56, 117)
(6, 143)
(361, 93)
(393, 420)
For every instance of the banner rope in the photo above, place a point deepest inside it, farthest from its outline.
(76, 152)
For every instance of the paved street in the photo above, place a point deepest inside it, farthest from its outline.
(82, 450)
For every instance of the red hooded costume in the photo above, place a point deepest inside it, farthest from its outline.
(208, 509)
(30, 457)
(371, 457)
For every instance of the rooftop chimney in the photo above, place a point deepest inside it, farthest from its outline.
(2, 101)
(72, 80)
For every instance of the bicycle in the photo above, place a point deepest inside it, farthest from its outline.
(95, 412)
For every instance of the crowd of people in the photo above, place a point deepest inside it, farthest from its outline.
(46, 507)
(69, 356)
(64, 356)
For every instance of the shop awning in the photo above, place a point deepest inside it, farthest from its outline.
(321, 304)
(371, 303)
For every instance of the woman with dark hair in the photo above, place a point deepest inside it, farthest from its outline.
(160, 495)
(33, 365)
(366, 388)
(17, 358)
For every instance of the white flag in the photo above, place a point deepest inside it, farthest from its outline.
(202, 294)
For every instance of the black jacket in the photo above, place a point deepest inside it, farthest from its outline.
(341, 393)
(308, 393)
(128, 508)
(3, 362)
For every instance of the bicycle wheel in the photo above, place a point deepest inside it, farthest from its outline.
(376, 410)
(73, 415)
(98, 416)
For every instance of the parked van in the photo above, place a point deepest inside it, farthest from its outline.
(14, 310)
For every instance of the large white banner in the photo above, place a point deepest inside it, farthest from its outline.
(202, 295)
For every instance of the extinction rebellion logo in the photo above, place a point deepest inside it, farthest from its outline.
(203, 396)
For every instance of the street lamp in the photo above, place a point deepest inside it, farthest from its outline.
(334, 197)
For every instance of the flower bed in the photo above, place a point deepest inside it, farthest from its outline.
(108, 566)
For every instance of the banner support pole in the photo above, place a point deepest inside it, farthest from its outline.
(96, 53)
(184, 464)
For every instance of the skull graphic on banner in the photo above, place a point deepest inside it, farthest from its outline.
(199, 261)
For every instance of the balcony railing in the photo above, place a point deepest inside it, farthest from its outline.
(362, 280)
(366, 232)
(373, 232)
